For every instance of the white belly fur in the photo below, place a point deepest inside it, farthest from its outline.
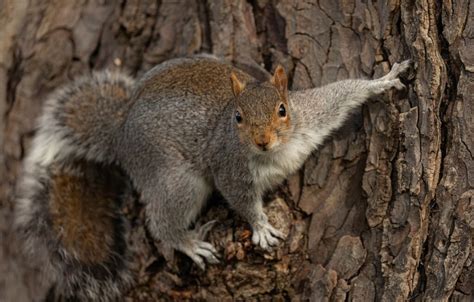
(273, 168)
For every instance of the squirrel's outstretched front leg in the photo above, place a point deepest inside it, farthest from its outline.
(321, 110)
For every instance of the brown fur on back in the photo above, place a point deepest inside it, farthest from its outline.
(203, 77)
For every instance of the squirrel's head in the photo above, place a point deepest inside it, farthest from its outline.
(262, 113)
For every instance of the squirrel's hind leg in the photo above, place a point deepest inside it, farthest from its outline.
(173, 204)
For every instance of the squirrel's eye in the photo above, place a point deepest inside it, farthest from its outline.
(282, 111)
(238, 117)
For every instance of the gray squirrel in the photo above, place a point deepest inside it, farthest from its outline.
(188, 127)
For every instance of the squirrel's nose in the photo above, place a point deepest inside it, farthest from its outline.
(262, 142)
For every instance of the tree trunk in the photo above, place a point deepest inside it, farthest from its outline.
(384, 211)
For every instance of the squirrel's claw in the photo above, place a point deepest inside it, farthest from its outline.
(207, 251)
(391, 79)
(207, 246)
(199, 251)
(204, 229)
(397, 70)
(198, 260)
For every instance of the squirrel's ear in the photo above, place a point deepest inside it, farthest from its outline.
(237, 85)
(280, 81)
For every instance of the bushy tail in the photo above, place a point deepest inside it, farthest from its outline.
(68, 207)
(81, 119)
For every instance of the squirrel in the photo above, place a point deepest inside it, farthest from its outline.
(188, 127)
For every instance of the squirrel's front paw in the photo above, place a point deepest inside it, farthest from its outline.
(265, 235)
(392, 79)
(397, 70)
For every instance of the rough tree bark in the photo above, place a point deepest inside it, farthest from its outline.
(384, 211)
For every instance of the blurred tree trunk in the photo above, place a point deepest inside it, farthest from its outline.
(383, 211)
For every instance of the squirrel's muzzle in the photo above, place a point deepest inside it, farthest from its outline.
(264, 141)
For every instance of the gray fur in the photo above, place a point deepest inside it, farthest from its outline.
(177, 147)
(56, 144)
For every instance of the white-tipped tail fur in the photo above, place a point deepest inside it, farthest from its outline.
(66, 177)
(80, 119)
